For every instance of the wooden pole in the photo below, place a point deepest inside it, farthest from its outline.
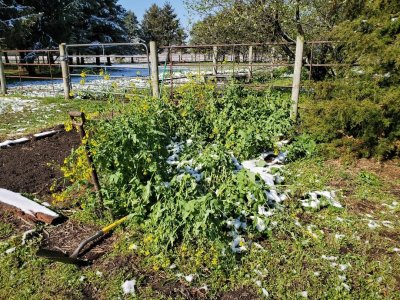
(297, 75)
(250, 74)
(65, 70)
(155, 83)
(3, 82)
(215, 60)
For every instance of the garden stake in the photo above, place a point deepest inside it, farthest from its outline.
(74, 115)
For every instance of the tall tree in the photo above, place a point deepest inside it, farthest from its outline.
(43, 23)
(162, 25)
(17, 23)
(132, 26)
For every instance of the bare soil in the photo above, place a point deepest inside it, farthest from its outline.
(32, 167)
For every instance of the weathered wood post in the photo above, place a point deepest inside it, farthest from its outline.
(155, 83)
(215, 60)
(3, 82)
(65, 70)
(297, 75)
(250, 71)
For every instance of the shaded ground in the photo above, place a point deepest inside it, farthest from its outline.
(33, 167)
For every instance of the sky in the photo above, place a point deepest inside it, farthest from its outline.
(140, 6)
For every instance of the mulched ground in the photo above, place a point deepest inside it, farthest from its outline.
(33, 167)
(67, 236)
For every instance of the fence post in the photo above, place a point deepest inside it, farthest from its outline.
(3, 82)
(64, 70)
(215, 60)
(297, 75)
(155, 83)
(250, 74)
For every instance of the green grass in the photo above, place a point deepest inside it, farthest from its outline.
(42, 113)
(362, 265)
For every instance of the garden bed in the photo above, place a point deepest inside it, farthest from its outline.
(32, 167)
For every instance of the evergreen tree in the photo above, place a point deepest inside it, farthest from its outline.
(132, 26)
(43, 23)
(162, 25)
(16, 23)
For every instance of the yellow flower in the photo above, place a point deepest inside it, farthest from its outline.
(214, 261)
(101, 73)
(107, 77)
(184, 113)
(83, 74)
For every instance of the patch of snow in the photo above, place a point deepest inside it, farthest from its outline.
(345, 286)
(9, 104)
(372, 224)
(189, 278)
(316, 199)
(329, 258)
(342, 277)
(11, 250)
(303, 294)
(128, 287)
(387, 224)
(265, 292)
(339, 236)
(238, 244)
(28, 206)
(260, 225)
(344, 267)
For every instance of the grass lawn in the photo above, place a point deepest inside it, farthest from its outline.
(330, 253)
(24, 116)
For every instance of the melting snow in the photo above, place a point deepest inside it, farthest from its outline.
(11, 250)
(317, 198)
(128, 287)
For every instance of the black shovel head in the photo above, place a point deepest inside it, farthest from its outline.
(62, 257)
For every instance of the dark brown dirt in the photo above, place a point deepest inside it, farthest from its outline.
(130, 266)
(241, 294)
(33, 167)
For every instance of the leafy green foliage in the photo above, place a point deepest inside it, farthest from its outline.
(358, 111)
(161, 24)
(303, 146)
(201, 189)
